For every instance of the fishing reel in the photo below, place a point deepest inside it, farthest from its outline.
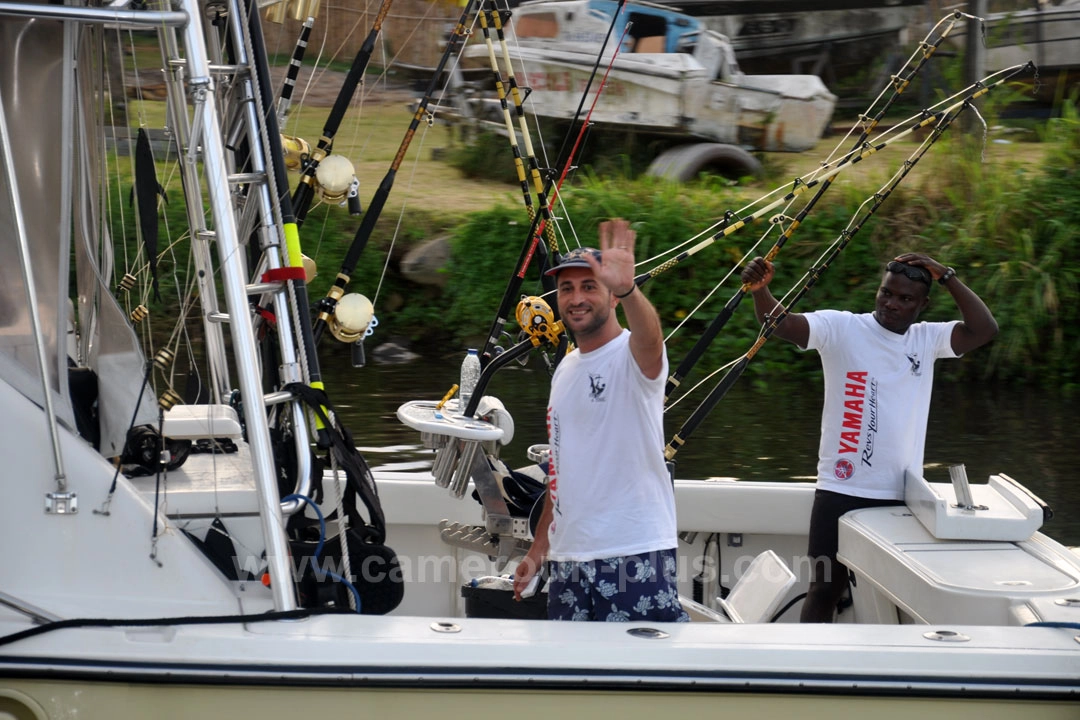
(277, 12)
(353, 318)
(537, 320)
(336, 183)
(296, 150)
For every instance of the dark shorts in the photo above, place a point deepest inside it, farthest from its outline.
(617, 589)
(825, 516)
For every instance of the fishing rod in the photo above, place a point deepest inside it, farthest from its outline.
(285, 100)
(729, 225)
(941, 122)
(305, 189)
(900, 82)
(500, 89)
(367, 225)
(532, 244)
(523, 123)
(293, 274)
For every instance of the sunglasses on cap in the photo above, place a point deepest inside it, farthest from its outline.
(911, 272)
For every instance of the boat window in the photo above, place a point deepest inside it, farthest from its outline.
(687, 42)
(539, 25)
(648, 33)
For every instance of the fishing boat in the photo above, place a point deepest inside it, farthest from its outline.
(832, 38)
(669, 76)
(168, 549)
(1048, 33)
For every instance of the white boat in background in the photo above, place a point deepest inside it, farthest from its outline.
(671, 77)
(830, 38)
(178, 578)
(1047, 33)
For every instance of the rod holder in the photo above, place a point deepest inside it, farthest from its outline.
(958, 475)
(445, 460)
(464, 469)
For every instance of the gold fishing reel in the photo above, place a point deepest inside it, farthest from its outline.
(353, 318)
(278, 12)
(335, 179)
(295, 150)
(537, 320)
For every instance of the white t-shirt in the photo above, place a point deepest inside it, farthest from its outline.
(877, 399)
(609, 484)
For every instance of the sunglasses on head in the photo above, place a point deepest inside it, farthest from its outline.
(910, 272)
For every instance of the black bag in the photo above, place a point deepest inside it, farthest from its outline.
(376, 572)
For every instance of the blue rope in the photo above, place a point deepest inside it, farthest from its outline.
(319, 547)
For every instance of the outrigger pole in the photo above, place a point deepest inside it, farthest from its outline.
(941, 121)
(900, 83)
(367, 225)
(305, 190)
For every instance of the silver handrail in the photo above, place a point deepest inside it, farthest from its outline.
(104, 16)
(233, 282)
(272, 241)
(31, 299)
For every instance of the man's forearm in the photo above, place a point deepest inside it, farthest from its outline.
(979, 326)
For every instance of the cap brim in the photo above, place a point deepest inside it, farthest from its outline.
(563, 266)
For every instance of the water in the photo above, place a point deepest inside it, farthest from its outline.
(1025, 433)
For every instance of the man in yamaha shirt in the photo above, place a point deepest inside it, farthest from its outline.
(879, 373)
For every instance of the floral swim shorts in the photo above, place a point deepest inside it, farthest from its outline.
(617, 589)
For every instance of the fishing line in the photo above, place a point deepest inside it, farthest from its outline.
(716, 288)
(431, 115)
(899, 82)
(363, 234)
(732, 223)
(305, 188)
(674, 403)
(823, 175)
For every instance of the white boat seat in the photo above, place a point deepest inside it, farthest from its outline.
(898, 564)
(701, 613)
(195, 422)
(760, 590)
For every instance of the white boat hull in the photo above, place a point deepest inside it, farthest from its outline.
(671, 95)
(1049, 37)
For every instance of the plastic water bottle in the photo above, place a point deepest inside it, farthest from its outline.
(470, 373)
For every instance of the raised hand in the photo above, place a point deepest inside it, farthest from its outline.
(615, 268)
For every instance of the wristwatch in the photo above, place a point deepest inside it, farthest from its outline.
(946, 276)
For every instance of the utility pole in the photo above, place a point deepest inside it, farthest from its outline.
(974, 58)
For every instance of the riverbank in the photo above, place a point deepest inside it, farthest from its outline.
(1001, 208)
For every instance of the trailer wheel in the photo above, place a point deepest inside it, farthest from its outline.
(686, 162)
